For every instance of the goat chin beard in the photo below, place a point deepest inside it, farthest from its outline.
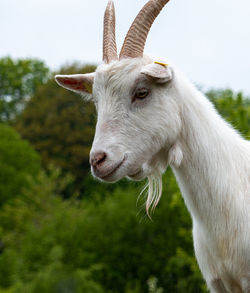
(153, 170)
(153, 190)
(154, 186)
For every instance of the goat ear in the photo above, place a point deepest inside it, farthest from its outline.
(80, 83)
(160, 72)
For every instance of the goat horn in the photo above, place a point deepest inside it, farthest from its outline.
(109, 42)
(135, 40)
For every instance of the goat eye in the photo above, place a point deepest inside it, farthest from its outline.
(141, 94)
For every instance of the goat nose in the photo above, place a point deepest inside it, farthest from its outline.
(97, 158)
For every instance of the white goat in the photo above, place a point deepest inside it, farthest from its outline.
(149, 117)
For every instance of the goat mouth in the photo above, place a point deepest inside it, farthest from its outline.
(108, 175)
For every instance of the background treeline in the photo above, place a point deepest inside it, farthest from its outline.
(62, 231)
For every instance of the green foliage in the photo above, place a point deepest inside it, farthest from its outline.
(234, 108)
(19, 79)
(152, 285)
(18, 162)
(31, 264)
(60, 125)
(102, 243)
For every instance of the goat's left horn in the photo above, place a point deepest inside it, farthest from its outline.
(109, 41)
(135, 40)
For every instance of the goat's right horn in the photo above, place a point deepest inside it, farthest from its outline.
(109, 41)
(135, 40)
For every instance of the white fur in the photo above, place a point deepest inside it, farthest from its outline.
(178, 125)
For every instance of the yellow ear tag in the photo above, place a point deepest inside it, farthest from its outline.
(88, 87)
(160, 63)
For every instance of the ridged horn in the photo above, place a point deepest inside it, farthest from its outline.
(135, 40)
(109, 41)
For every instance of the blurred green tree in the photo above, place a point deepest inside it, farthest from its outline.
(60, 125)
(19, 79)
(234, 107)
(18, 162)
(51, 243)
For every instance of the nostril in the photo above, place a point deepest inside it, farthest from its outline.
(98, 158)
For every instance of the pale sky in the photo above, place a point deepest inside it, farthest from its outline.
(208, 40)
